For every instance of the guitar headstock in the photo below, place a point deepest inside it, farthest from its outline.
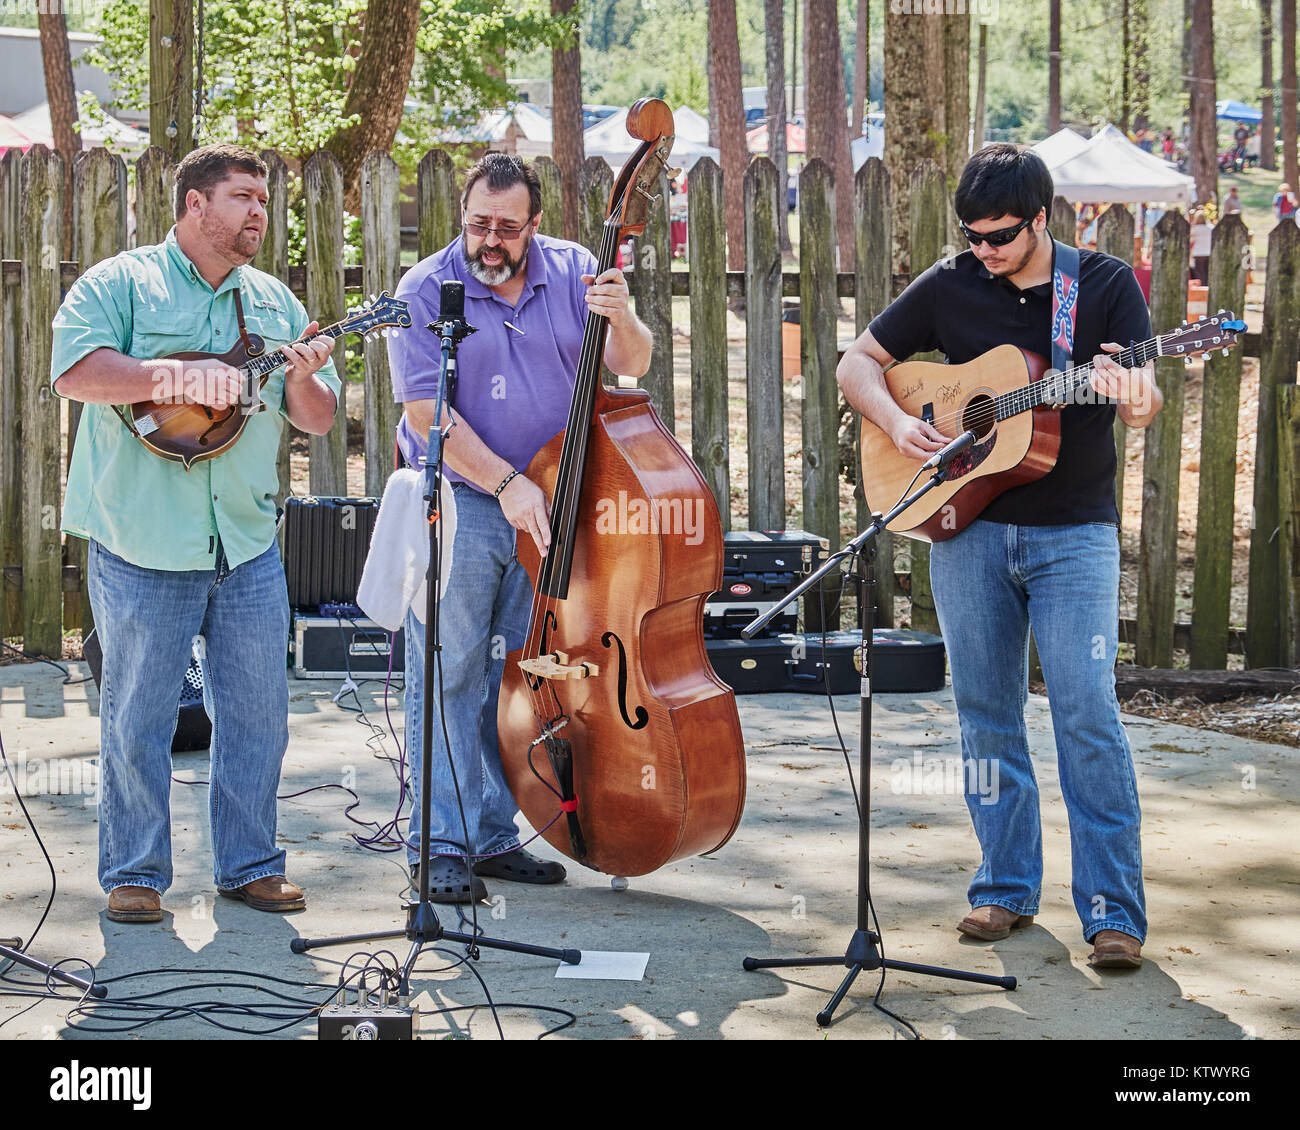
(380, 313)
(1204, 335)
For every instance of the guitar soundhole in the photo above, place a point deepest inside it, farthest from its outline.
(979, 416)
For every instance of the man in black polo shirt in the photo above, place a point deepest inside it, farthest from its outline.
(1043, 555)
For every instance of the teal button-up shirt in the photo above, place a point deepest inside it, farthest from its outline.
(149, 510)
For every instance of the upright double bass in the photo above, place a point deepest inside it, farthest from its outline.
(616, 736)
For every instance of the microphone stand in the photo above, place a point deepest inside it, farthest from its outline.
(422, 925)
(862, 953)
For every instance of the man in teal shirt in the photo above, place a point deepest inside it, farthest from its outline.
(177, 553)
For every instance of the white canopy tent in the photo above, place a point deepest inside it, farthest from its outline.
(1061, 146)
(609, 138)
(520, 129)
(113, 134)
(1111, 168)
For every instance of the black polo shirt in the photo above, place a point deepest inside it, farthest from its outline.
(960, 309)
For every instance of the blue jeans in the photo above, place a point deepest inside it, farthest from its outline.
(483, 614)
(992, 583)
(147, 620)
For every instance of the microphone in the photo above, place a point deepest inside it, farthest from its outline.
(451, 301)
(451, 324)
(941, 459)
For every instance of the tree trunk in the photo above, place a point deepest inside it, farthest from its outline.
(1140, 43)
(724, 73)
(61, 91)
(566, 122)
(379, 86)
(861, 69)
(1288, 92)
(914, 109)
(1054, 67)
(774, 21)
(1267, 128)
(1125, 64)
(956, 88)
(1204, 143)
(982, 65)
(827, 132)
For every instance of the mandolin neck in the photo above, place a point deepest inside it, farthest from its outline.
(264, 364)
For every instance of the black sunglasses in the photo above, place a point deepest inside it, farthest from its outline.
(999, 238)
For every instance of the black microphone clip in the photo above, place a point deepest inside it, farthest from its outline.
(940, 459)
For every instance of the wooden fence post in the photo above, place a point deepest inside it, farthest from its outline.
(1220, 393)
(651, 282)
(872, 292)
(595, 182)
(928, 201)
(381, 241)
(99, 181)
(155, 190)
(273, 258)
(1061, 222)
(1158, 542)
(708, 266)
(438, 202)
(323, 189)
(552, 183)
(1277, 366)
(1115, 237)
(819, 355)
(11, 391)
(1288, 540)
(41, 226)
(765, 392)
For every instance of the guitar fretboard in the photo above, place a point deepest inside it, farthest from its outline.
(1056, 386)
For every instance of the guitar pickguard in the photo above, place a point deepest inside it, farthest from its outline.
(972, 457)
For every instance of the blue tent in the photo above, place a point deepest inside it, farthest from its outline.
(1230, 110)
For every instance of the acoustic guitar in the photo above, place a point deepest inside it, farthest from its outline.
(1008, 398)
(189, 433)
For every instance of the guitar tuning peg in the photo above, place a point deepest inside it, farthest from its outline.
(372, 298)
(383, 333)
(1225, 352)
(1188, 361)
(1221, 310)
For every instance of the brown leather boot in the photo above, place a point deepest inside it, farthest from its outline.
(134, 904)
(1113, 949)
(274, 893)
(992, 923)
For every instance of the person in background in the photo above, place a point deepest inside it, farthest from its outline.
(1167, 144)
(1233, 203)
(1202, 233)
(1284, 202)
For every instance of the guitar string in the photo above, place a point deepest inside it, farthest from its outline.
(1063, 383)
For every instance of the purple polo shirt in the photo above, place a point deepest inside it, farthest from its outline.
(516, 374)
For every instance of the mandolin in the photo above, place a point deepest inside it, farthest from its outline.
(1008, 397)
(189, 433)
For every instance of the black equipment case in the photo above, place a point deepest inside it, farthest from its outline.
(905, 662)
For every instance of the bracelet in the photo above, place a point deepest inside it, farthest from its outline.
(504, 483)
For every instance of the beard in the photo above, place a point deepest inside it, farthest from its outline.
(1014, 267)
(495, 276)
(234, 244)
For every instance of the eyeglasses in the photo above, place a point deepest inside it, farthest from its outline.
(999, 238)
(505, 235)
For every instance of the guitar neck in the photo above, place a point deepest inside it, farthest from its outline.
(1061, 385)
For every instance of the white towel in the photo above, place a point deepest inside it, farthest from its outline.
(393, 578)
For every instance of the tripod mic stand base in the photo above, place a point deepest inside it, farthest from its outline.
(862, 955)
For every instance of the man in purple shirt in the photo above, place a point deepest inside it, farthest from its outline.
(528, 297)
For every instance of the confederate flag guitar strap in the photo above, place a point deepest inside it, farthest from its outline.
(1065, 304)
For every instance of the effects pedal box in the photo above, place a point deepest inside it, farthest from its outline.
(344, 1021)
